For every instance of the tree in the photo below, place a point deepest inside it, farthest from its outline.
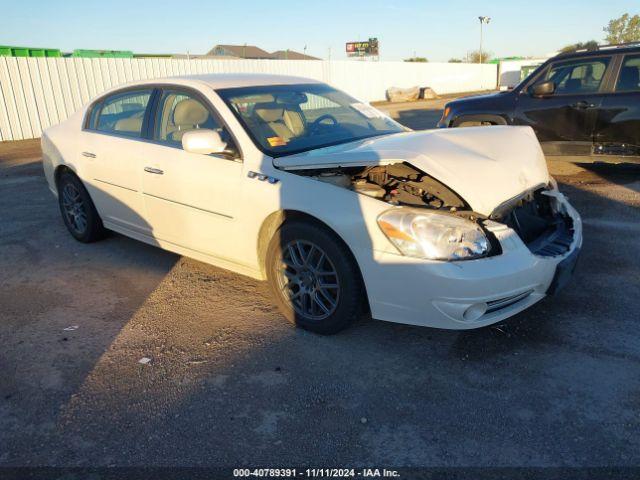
(474, 57)
(624, 29)
(455, 60)
(590, 45)
(417, 59)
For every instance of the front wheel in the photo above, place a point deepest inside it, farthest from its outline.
(314, 278)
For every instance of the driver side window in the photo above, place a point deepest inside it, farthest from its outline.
(577, 77)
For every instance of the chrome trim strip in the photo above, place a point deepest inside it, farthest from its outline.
(114, 185)
(187, 205)
(501, 303)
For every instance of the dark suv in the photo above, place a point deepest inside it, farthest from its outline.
(582, 104)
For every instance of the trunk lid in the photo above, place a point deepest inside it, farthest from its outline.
(486, 166)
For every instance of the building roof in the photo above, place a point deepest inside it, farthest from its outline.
(242, 51)
(292, 55)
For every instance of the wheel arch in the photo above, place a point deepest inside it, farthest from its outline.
(275, 220)
(65, 168)
(62, 168)
(495, 119)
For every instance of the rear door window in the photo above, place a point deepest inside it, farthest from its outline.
(629, 76)
(576, 77)
(122, 113)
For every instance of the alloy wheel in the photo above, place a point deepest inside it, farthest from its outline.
(308, 278)
(74, 208)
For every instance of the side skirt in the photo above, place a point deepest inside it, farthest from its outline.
(187, 252)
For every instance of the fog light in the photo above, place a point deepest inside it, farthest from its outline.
(474, 312)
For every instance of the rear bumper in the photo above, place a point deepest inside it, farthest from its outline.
(473, 293)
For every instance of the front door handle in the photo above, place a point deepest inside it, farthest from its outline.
(89, 154)
(156, 171)
(582, 105)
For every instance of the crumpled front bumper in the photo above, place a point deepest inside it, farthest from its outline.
(473, 293)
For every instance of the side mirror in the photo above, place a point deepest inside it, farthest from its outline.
(203, 141)
(543, 88)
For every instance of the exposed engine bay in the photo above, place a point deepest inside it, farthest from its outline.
(396, 184)
(533, 215)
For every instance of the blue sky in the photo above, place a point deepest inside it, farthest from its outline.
(438, 30)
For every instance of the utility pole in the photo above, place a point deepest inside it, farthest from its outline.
(482, 20)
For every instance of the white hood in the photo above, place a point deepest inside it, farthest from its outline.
(486, 166)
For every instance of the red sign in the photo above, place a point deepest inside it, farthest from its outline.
(363, 49)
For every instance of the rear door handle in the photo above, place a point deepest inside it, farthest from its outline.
(582, 105)
(89, 154)
(156, 171)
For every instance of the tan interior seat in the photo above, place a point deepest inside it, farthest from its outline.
(131, 124)
(189, 114)
(276, 119)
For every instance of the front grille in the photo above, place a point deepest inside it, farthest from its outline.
(495, 305)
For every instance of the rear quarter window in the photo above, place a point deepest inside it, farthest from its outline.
(121, 113)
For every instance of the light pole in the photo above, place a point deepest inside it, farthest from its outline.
(482, 20)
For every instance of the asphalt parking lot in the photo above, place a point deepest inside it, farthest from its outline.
(231, 383)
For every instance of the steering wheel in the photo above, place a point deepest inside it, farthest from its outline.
(315, 125)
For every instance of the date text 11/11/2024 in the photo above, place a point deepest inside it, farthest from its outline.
(316, 473)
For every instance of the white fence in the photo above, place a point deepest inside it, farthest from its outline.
(510, 71)
(36, 93)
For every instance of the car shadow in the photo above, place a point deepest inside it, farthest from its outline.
(627, 175)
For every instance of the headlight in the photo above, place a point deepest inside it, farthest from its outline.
(435, 236)
(445, 113)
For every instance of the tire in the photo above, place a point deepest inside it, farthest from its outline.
(78, 211)
(324, 303)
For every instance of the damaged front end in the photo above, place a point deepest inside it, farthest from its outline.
(541, 220)
(539, 216)
(436, 223)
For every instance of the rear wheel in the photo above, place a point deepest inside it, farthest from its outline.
(314, 278)
(77, 209)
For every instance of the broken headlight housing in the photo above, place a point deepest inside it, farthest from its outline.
(434, 236)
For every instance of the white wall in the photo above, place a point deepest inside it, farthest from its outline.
(36, 93)
(509, 71)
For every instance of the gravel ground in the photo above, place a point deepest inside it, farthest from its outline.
(231, 383)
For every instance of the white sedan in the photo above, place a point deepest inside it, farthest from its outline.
(343, 210)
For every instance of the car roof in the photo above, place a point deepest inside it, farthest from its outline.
(229, 80)
(603, 50)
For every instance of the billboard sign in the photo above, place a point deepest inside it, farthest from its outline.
(363, 49)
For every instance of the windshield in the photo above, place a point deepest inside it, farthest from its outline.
(286, 119)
